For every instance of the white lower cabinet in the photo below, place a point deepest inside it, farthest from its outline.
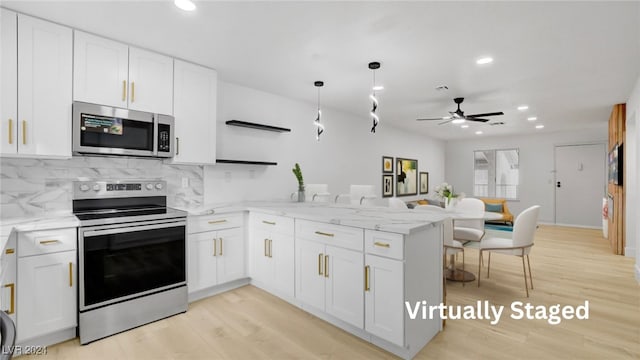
(47, 294)
(272, 253)
(215, 257)
(330, 277)
(384, 298)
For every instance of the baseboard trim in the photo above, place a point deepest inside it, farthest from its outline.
(218, 289)
(579, 226)
(48, 339)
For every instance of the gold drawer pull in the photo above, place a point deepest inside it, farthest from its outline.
(324, 233)
(366, 278)
(24, 132)
(266, 242)
(214, 246)
(326, 266)
(381, 244)
(124, 90)
(133, 91)
(270, 248)
(220, 247)
(12, 307)
(47, 242)
(320, 264)
(10, 131)
(10, 251)
(268, 222)
(70, 274)
(217, 221)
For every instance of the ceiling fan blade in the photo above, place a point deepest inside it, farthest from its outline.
(440, 118)
(477, 119)
(485, 114)
(445, 122)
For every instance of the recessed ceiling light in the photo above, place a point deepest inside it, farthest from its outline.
(484, 60)
(523, 107)
(464, 126)
(378, 88)
(532, 118)
(186, 5)
(478, 132)
(457, 121)
(539, 126)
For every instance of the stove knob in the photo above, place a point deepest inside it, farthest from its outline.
(159, 186)
(149, 186)
(96, 187)
(84, 187)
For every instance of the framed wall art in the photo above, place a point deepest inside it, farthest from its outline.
(387, 186)
(387, 165)
(424, 182)
(406, 177)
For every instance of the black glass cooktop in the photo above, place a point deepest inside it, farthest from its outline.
(116, 213)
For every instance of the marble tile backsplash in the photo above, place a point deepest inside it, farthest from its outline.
(35, 187)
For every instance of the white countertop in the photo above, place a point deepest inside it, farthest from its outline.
(51, 221)
(403, 221)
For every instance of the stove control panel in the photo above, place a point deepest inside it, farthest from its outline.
(118, 188)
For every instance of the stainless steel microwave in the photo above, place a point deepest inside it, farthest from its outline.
(106, 130)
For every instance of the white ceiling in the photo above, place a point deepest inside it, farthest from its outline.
(569, 61)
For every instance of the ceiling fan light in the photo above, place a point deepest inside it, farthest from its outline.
(523, 107)
(457, 121)
(532, 118)
(378, 88)
(186, 5)
(478, 132)
(540, 126)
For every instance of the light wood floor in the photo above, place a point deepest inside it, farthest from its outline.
(569, 266)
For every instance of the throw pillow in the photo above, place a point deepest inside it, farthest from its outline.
(497, 208)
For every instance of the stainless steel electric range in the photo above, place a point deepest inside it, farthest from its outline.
(131, 255)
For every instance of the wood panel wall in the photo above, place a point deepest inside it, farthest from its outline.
(616, 222)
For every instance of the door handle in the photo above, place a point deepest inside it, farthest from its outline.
(270, 248)
(10, 131)
(177, 146)
(320, 264)
(24, 132)
(70, 274)
(215, 246)
(558, 184)
(366, 278)
(133, 91)
(266, 252)
(220, 247)
(12, 307)
(124, 90)
(326, 266)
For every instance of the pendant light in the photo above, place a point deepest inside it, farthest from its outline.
(319, 126)
(374, 106)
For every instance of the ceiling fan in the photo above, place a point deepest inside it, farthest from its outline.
(458, 116)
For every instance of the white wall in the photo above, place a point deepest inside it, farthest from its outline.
(631, 235)
(346, 154)
(536, 165)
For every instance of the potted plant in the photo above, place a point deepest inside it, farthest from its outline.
(445, 192)
(298, 173)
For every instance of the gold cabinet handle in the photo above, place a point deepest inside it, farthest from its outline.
(324, 233)
(177, 146)
(381, 244)
(268, 222)
(133, 91)
(366, 278)
(220, 247)
(124, 90)
(10, 131)
(47, 242)
(320, 264)
(266, 242)
(70, 274)
(12, 307)
(24, 132)
(217, 221)
(215, 246)
(270, 248)
(10, 251)
(326, 266)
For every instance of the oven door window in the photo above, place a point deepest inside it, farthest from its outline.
(110, 132)
(126, 263)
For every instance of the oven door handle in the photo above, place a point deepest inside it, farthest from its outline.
(120, 230)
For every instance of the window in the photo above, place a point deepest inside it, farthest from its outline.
(496, 173)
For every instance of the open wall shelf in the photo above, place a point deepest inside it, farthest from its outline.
(251, 125)
(245, 162)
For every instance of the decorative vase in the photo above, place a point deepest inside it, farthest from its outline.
(301, 196)
(449, 204)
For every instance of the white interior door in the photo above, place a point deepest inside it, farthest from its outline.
(580, 184)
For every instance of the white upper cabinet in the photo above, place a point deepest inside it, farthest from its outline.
(195, 91)
(150, 82)
(42, 124)
(9, 83)
(101, 70)
(110, 73)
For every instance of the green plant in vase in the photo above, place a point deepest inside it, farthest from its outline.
(298, 173)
